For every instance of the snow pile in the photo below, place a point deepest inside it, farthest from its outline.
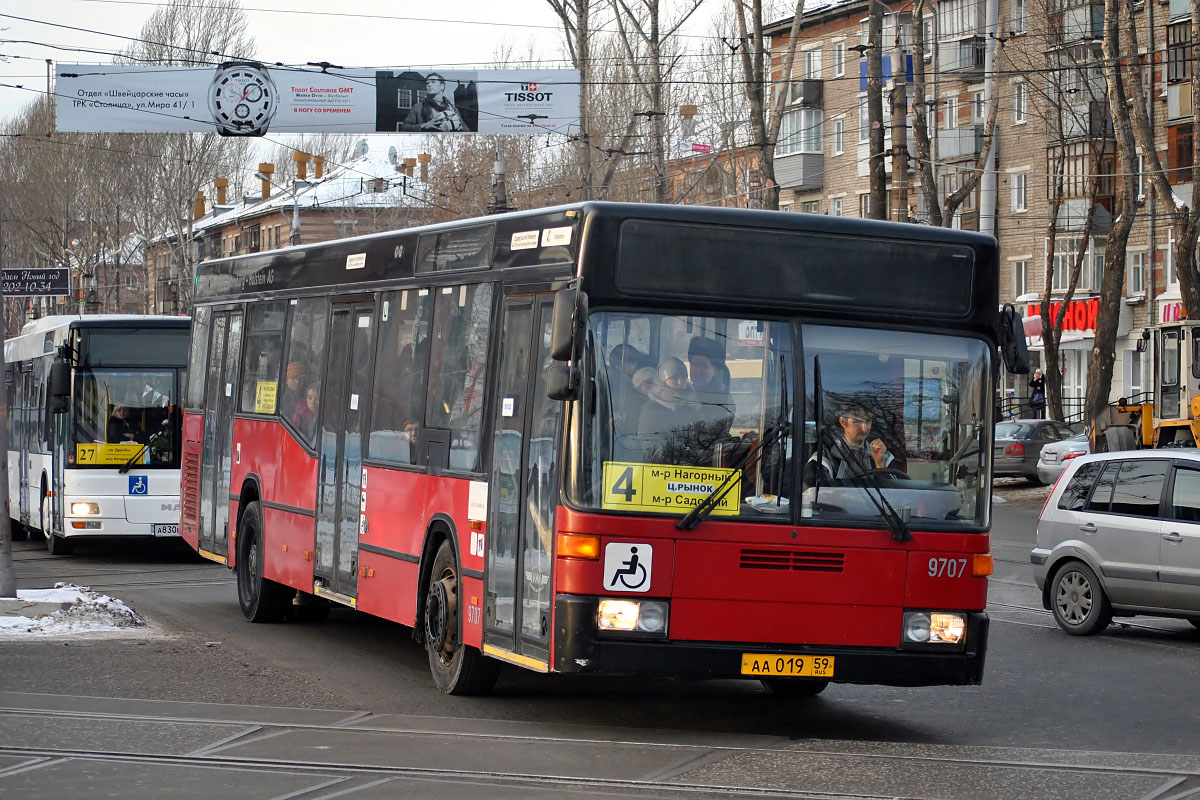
(88, 612)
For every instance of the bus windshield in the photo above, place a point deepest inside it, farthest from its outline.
(904, 413)
(685, 405)
(680, 402)
(123, 414)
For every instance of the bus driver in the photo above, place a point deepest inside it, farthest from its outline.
(855, 452)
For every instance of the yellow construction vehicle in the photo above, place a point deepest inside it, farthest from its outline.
(1168, 417)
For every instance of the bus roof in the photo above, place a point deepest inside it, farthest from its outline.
(32, 341)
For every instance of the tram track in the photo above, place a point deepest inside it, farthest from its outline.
(344, 777)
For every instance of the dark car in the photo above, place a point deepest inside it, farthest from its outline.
(1019, 442)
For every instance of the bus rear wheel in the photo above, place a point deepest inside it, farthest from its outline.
(261, 600)
(456, 667)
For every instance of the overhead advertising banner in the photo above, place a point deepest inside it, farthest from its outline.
(246, 98)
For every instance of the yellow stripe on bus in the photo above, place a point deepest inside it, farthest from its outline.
(514, 658)
(220, 559)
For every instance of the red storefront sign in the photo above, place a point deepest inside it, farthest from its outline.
(1173, 312)
(1080, 315)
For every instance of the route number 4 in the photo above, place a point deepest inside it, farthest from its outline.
(624, 485)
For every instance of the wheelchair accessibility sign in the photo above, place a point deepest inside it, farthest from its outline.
(139, 484)
(627, 567)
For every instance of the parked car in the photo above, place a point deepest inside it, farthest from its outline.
(1056, 455)
(1018, 443)
(1120, 535)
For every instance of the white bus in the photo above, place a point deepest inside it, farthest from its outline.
(94, 427)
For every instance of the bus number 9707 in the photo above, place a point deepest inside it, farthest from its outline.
(947, 567)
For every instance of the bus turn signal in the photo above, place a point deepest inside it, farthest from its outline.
(576, 545)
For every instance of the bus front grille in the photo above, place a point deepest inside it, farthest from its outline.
(792, 560)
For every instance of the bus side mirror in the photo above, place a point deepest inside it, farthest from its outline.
(570, 315)
(1011, 337)
(59, 388)
(562, 382)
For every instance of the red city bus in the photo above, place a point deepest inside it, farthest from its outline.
(610, 438)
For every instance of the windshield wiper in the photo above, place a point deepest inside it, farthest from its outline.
(133, 459)
(706, 506)
(867, 480)
(895, 523)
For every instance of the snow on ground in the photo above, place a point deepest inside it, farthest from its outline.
(88, 612)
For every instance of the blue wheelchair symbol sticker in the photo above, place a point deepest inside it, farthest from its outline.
(138, 484)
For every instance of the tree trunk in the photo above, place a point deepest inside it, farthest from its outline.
(877, 168)
(1100, 367)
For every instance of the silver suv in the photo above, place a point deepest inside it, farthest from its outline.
(1120, 535)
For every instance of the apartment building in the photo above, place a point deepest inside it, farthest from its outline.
(1052, 124)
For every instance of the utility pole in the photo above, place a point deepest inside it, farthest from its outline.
(900, 124)
(499, 202)
(876, 168)
(8, 580)
(987, 181)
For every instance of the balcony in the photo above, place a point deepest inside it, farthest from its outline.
(1081, 120)
(963, 58)
(1072, 216)
(960, 142)
(807, 93)
(800, 171)
(1081, 23)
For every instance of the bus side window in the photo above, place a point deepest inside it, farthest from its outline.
(263, 353)
(198, 357)
(400, 375)
(458, 367)
(306, 362)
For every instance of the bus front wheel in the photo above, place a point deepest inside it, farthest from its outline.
(55, 544)
(457, 668)
(261, 600)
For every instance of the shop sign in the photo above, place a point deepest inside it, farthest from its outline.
(1080, 314)
(1172, 312)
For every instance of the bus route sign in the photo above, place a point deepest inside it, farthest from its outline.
(35, 282)
(662, 487)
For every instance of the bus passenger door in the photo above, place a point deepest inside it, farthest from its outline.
(219, 404)
(22, 445)
(523, 487)
(340, 472)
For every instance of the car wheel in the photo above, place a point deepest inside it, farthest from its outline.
(56, 545)
(1078, 601)
(1035, 480)
(795, 687)
(457, 668)
(261, 600)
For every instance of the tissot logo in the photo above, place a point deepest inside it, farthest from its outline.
(529, 92)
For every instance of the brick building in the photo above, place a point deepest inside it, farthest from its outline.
(369, 194)
(1052, 115)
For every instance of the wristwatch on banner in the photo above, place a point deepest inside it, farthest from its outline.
(242, 99)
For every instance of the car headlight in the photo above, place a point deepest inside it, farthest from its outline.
(647, 617)
(934, 627)
(83, 509)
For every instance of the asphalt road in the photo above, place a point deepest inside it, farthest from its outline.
(1049, 702)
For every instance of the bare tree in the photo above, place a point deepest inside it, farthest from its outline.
(766, 110)
(1184, 219)
(1100, 366)
(185, 33)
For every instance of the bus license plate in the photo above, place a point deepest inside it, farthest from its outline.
(165, 529)
(790, 666)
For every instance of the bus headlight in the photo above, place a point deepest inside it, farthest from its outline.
(648, 617)
(934, 627)
(84, 509)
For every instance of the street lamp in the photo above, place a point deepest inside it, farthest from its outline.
(294, 225)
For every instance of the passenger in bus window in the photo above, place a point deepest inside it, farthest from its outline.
(122, 427)
(852, 453)
(627, 400)
(293, 389)
(710, 384)
(305, 415)
(668, 415)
